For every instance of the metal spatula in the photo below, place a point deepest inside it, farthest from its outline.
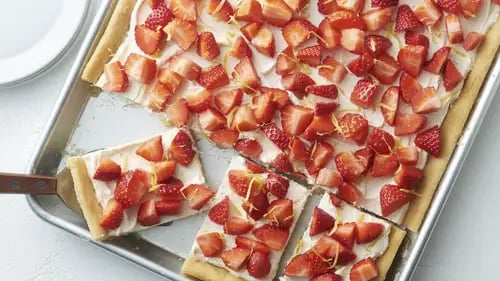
(61, 185)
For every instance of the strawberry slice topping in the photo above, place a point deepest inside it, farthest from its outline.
(131, 187)
(364, 92)
(178, 113)
(321, 221)
(246, 75)
(384, 165)
(280, 213)
(183, 32)
(214, 77)
(406, 19)
(211, 119)
(408, 177)
(220, 11)
(429, 141)
(252, 245)
(207, 47)
(297, 31)
(276, 13)
(322, 152)
(389, 105)
(408, 86)
(159, 17)
(364, 270)
(258, 265)
(147, 214)
(227, 100)
(237, 226)
(381, 141)
(168, 208)
(360, 65)
(352, 40)
(248, 147)
(349, 166)
(451, 76)
(211, 244)
(308, 264)
(435, 65)
(392, 198)
(197, 195)
(151, 150)
(345, 234)
(220, 211)
(368, 231)
(164, 170)
(408, 155)
(386, 69)
(148, 40)
(107, 170)
(377, 19)
(276, 135)
(116, 78)
(295, 119)
(407, 124)
(327, 248)
(140, 68)
(428, 13)
(332, 70)
(411, 59)
(244, 119)
(349, 192)
(454, 28)
(297, 83)
(426, 101)
(377, 44)
(277, 185)
(473, 40)
(328, 177)
(273, 236)
(181, 148)
(310, 55)
(249, 10)
(225, 138)
(235, 258)
(354, 127)
(184, 9)
(112, 215)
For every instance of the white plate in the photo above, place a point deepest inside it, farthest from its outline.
(35, 34)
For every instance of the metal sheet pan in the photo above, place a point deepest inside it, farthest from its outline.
(110, 120)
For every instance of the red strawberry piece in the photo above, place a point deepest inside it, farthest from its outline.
(235, 258)
(451, 76)
(183, 32)
(337, 202)
(280, 213)
(473, 40)
(276, 13)
(171, 79)
(263, 41)
(211, 244)
(178, 113)
(455, 34)
(310, 55)
(320, 128)
(328, 91)
(148, 40)
(168, 208)
(349, 192)
(211, 119)
(240, 49)
(381, 141)
(181, 148)
(286, 62)
(158, 96)
(297, 83)
(239, 181)
(435, 65)
(280, 97)
(377, 19)
(366, 155)
(332, 70)
(450, 6)
(207, 47)
(384, 165)
(258, 265)
(221, 11)
(368, 231)
(354, 5)
(386, 69)
(328, 177)
(220, 211)
(361, 65)
(426, 101)
(225, 138)
(227, 100)
(107, 170)
(354, 127)
(214, 77)
(329, 276)
(364, 270)
(411, 59)
(321, 221)
(353, 40)
(296, 32)
(470, 7)
(257, 205)
(197, 195)
(329, 37)
(345, 234)
(140, 68)
(249, 10)
(377, 44)
(322, 152)
(159, 17)
(295, 119)
(248, 147)
(154, 3)
(276, 135)
(429, 141)
(112, 215)
(252, 245)
(408, 155)
(407, 124)
(244, 119)
(406, 19)
(299, 151)
(328, 248)
(392, 198)
(254, 168)
(170, 189)
(326, 7)
(131, 187)
(408, 86)
(116, 78)
(163, 170)
(147, 214)
(416, 39)
(364, 93)
(344, 19)
(428, 13)
(277, 185)
(246, 75)
(295, 5)
(282, 163)
(185, 68)
(184, 9)
(273, 236)
(199, 102)
(384, 3)
(389, 105)
(308, 264)
(325, 108)
(408, 177)
(237, 226)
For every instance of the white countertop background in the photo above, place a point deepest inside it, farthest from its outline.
(465, 244)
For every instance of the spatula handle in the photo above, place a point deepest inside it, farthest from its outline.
(27, 184)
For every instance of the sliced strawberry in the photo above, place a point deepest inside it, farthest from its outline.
(407, 124)
(181, 149)
(178, 113)
(221, 11)
(244, 119)
(426, 101)
(384, 3)
(364, 93)
(211, 244)
(354, 127)
(366, 155)
(377, 19)
(199, 102)
(183, 32)
(211, 119)
(321, 221)
(389, 105)
(451, 76)
(163, 170)
(470, 7)
(214, 77)
(297, 83)
(154, 3)
(148, 40)
(257, 205)
(429, 141)
(473, 40)
(325, 108)
(296, 32)
(320, 128)
(381, 141)
(151, 150)
(220, 212)
(159, 17)
(428, 13)
(326, 7)
(349, 192)
(408, 155)
(240, 180)
(368, 231)
(147, 214)
(322, 152)
(252, 245)
(310, 55)
(225, 138)
(249, 10)
(112, 215)
(329, 248)
(408, 86)
(386, 69)
(337, 202)
(240, 49)
(328, 177)
(273, 236)
(184, 9)
(276, 13)
(361, 65)
(352, 5)
(345, 234)
(227, 100)
(364, 270)
(295, 119)
(207, 47)
(197, 195)
(254, 168)
(377, 44)
(308, 264)
(185, 68)
(277, 185)
(280, 96)
(455, 33)
(329, 37)
(280, 213)
(332, 70)
(246, 75)
(171, 79)
(116, 78)
(349, 166)
(408, 177)
(140, 68)
(158, 96)
(276, 135)
(295, 5)
(170, 189)
(286, 62)
(344, 19)
(416, 39)
(384, 165)
(299, 151)
(263, 41)
(353, 40)
(450, 6)
(411, 59)
(392, 198)
(258, 265)
(131, 187)
(328, 91)
(406, 19)
(435, 65)
(107, 170)
(235, 258)
(248, 147)
(282, 163)
(168, 208)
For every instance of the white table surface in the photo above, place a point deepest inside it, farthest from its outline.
(464, 246)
